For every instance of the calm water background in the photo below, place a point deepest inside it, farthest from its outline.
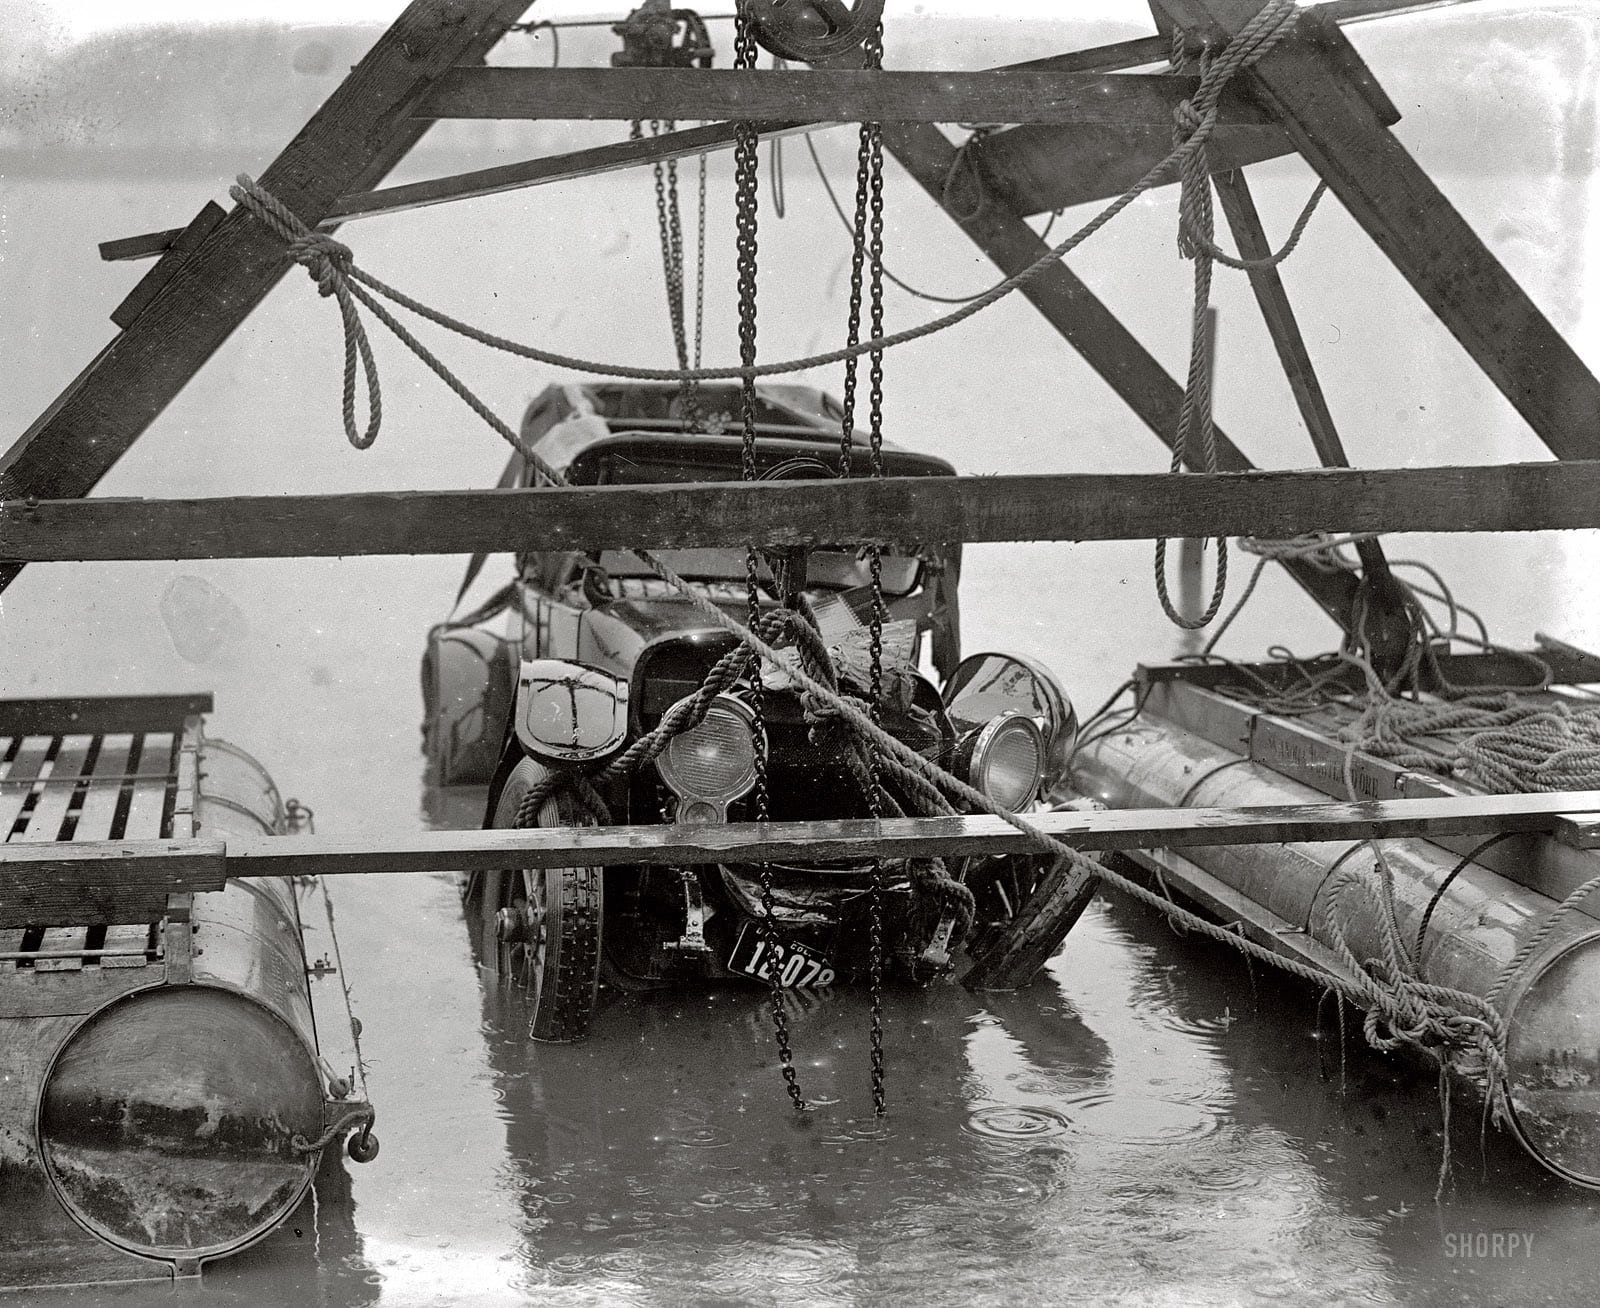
(1150, 1123)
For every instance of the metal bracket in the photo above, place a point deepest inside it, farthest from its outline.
(695, 913)
(178, 936)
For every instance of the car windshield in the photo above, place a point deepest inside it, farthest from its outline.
(826, 569)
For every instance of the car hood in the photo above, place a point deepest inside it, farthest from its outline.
(616, 634)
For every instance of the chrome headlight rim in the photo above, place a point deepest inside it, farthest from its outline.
(698, 804)
(982, 746)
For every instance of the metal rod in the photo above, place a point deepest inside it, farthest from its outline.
(30, 955)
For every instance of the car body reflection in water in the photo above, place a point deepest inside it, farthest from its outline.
(1086, 1134)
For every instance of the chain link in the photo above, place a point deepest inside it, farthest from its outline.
(868, 251)
(669, 223)
(879, 611)
(746, 203)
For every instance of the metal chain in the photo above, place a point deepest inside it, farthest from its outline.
(746, 164)
(872, 134)
(692, 393)
(669, 223)
(868, 243)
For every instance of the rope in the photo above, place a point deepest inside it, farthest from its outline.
(363, 1117)
(1193, 122)
(833, 199)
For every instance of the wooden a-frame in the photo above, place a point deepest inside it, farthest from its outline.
(1312, 94)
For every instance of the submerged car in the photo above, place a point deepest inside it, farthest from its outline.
(502, 688)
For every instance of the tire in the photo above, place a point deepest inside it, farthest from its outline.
(541, 927)
(1026, 905)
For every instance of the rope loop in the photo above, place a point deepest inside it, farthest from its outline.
(1193, 122)
(331, 265)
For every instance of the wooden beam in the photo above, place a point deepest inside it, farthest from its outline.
(932, 510)
(350, 143)
(1342, 135)
(1568, 666)
(92, 883)
(1036, 169)
(826, 95)
(801, 842)
(98, 714)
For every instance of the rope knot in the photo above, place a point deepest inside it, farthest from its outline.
(327, 260)
(1188, 119)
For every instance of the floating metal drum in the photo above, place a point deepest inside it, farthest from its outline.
(1555, 1070)
(173, 1121)
(166, 1121)
(1475, 931)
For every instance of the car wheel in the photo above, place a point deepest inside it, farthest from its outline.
(1025, 907)
(541, 926)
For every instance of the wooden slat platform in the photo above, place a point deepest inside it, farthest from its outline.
(112, 778)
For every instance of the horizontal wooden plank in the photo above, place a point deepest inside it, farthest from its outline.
(1035, 169)
(26, 993)
(93, 715)
(799, 842)
(1083, 506)
(90, 883)
(828, 95)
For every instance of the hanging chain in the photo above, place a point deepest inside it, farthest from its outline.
(874, 132)
(867, 249)
(746, 204)
(669, 223)
(692, 393)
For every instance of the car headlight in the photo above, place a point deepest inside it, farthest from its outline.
(1007, 760)
(712, 764)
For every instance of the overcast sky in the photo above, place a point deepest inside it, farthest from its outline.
(84, 17)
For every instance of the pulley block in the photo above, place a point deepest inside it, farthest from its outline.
(810, 30)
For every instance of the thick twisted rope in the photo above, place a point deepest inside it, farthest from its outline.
(1193, 122)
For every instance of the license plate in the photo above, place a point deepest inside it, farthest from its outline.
(795, 966)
